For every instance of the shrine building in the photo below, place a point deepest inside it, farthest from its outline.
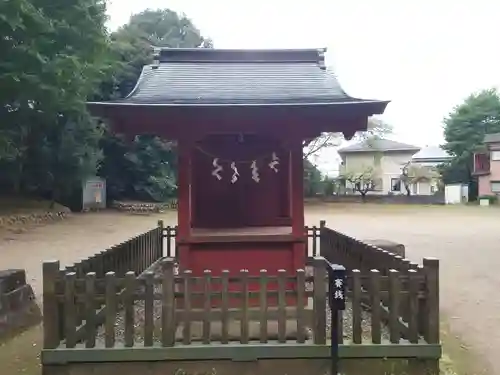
(240, 119)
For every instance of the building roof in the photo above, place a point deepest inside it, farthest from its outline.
(383, 145)
(431, 153)
(210, 77)
(492, 138)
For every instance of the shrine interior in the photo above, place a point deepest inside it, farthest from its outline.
(240, 180)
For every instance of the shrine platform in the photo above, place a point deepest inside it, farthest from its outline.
(246, 234)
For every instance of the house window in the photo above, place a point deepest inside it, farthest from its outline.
(395, 184)
(495, 186)
(495, 155)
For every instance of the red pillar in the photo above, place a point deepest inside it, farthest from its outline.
(184, 201)
(297, 203)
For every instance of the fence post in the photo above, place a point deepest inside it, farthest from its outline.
(168, 303)
(160, 243)
(319, 301)
(323, 244)
(51, 327)
(431, 269)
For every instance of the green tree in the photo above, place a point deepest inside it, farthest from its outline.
(412, 174)
(331, 185)
(362, 179)
(52, 59)
(144, 168)
(312, 179)
(464, 131)
(133, 45)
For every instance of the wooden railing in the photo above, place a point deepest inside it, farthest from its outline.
(184, 309)
(134, 255)
(369, 261)
(352, 253)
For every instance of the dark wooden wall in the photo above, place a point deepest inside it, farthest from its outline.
(222, 204)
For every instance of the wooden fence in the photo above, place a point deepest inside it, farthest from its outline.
(404, 293)
(134, 255)
(392, 305)
(363, 258)
(352, 253)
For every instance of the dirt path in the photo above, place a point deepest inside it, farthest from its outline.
(70, 240)
(467, 242)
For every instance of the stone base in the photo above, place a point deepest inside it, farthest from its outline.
(288, 366)
(393, 247)
(11, 280)
(18, 308)
(235, 331)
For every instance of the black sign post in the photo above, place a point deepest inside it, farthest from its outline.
(336, 294)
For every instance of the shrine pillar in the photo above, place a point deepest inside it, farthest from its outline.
(184, 185)
(296, 175)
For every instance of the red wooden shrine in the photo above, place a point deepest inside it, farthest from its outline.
(240, 118)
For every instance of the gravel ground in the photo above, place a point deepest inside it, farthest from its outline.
(139, 319)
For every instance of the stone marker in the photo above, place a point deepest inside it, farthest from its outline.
(18, 308)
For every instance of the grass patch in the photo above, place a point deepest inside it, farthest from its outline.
(458, 357)
(21, 354)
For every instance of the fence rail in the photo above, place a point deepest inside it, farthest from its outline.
(190, 303)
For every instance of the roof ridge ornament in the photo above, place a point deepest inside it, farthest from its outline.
(321, 58)
(156, 57)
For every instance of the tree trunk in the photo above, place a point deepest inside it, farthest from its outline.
(408, 190)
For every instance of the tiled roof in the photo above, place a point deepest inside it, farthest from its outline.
(240, 77)
(378, 145)
(492, 138)
(431, 152)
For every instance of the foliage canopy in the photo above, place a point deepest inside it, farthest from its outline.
(464, 131)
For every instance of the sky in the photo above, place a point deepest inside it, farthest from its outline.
(425, 56)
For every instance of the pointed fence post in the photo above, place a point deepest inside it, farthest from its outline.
(160, 240)
(322, 238)
(51, 316)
